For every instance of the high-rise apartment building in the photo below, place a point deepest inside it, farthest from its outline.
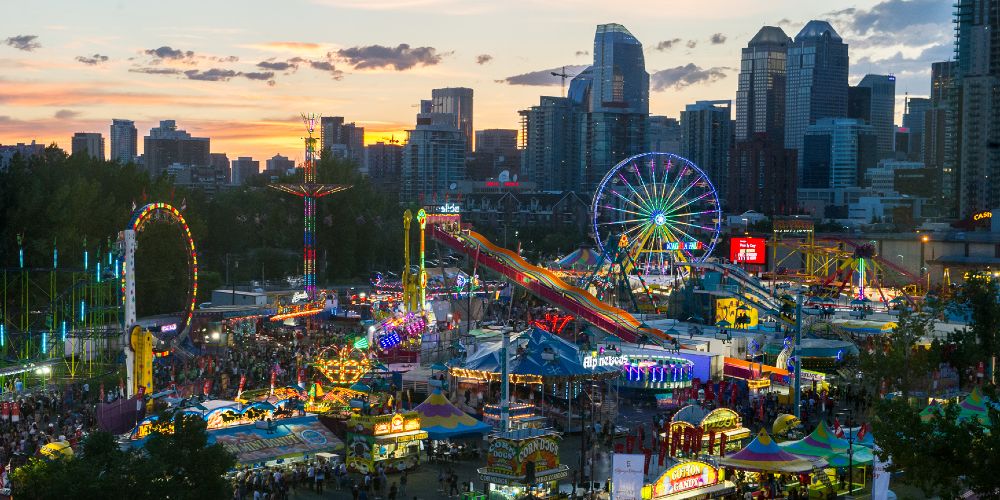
(88, 143)
(384, 162)
(124, 141)
(760, 96)
(496, 152)
(976, 104)
(617, 109)
(664, 134)
(342, 140)
(244, 167)
(914, 117)
(939, 146)
(279, 165)
(456, 101)
(883, 110)
(220, 163)
(762, 177)
(433, 159)
(817, 68)
(708, 134)
(551, 152)
(166, 145)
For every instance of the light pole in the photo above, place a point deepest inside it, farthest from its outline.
(798, 362)
(923, 263)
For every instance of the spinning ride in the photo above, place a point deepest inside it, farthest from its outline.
(663, 206)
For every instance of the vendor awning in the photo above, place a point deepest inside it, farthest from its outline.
(714, 491)
(540, 477)
(402, 437)
(739, 368)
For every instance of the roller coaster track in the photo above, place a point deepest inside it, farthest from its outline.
(547, 286)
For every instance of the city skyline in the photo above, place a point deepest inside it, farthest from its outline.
(243, 81)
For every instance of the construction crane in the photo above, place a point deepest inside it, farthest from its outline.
(563, 76)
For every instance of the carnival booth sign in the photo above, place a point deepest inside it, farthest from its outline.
(683, 477)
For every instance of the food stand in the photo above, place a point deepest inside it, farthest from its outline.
(521, 416)
(395, 441)
(525, 461)
(721, 430)
(691, 479)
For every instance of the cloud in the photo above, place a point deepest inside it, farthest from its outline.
(66, 114)
(684, 76)
(896, 16)
(327, 66)
(262, 75)
(271, 64)
(785, 22)
(167, 52)
(401, 57)
(718, 39)
(582, 53)
(543, 77)
(483, 59)
(211, 75)
(900, 64)
(691, 44)
(92, 60)
(293, 45)
(667, 44)
(26, 43)
(155, 71)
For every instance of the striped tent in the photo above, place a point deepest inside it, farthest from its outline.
(581, 259)
(443, 420)
(973, 407)
(821, 443)
(764, 455)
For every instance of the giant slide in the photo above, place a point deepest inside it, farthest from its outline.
(547, 286)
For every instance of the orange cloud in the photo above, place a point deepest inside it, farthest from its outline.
(33, 94)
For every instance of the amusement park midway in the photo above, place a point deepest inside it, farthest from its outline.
(603, 304)
(675, 356)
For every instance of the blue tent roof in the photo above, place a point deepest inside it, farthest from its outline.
(533, 344)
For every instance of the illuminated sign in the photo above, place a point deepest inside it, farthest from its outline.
(735, 313)
(794, 226)
(747, 250)
(721, 419)
(683, 245)
(449, 208)
(299, 296)
(685, 476)
(384, 424)
(982, 215)
(397, 423)
(171, 327)
(593, 360)
(759, 383)
(492, 184)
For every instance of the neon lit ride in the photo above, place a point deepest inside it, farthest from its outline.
(664, 205)
(342, 365)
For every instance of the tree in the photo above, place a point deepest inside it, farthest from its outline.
(175, 466)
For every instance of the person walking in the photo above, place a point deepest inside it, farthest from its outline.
(402, 483)
(320, 477)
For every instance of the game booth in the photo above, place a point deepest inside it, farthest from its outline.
(258, 434)
(523, 462)
(694, 430)
(395, 441)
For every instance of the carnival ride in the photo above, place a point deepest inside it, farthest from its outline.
(665, 206)
(546, 285)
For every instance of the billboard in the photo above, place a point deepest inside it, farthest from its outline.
(748, 250)
(738, 314)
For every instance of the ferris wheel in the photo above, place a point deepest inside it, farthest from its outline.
(660, 208)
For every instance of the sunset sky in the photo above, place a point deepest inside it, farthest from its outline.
(242, 72)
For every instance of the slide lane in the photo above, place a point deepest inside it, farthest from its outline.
(549, 287)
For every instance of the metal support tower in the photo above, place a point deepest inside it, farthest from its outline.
(310, 191)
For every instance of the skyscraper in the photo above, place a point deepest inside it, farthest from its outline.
(707, 129)
(914, 117)
(551, 154)
(166, 145)
(977, 105)
(817, 68)
(664, 134)
(458, 102)
(617, 111)
(760, 96)
(762, 177)
(939, 145)
(883, 110)
(837, 152)
(433, 159)
(88, 143)
(342, 140)
(124, 141)
(220, 163)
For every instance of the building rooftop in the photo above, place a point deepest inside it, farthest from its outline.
(816, 29)
(770, 34)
